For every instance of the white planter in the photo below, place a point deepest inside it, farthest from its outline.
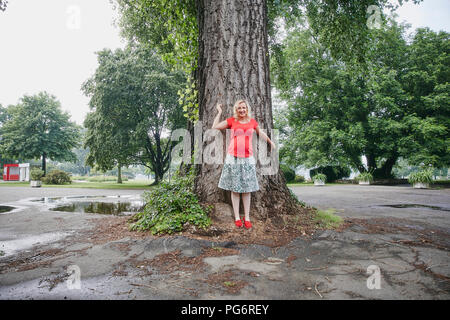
(319, 183)
(363, 182)
(421, 185)
(35, 183)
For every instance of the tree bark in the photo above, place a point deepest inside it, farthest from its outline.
(119, 173)
(234, 64)
(44, 163)
(385, 171)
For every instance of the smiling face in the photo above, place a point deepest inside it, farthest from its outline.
(242, 110)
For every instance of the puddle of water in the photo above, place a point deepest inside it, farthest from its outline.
(6, 209)
(62, 199)
(111, 208)
(118, 205)
(9, 247)
(408, 205)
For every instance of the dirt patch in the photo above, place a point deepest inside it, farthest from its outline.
(290, 259)
(174, 261)
(53, 282)
(120, 271)
(273, 232)
(218, 252)
(107, 229)
(226, 281)
(171, 262)
(37, 260)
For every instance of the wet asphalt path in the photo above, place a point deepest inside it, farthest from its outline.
(430, 206)
(407, 249)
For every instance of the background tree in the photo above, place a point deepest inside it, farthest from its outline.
(134, 107)
(340, 112)
(232, 61)
(3, 118)
(107, 143)
(428, 107)
(79, 166)
(38, 128)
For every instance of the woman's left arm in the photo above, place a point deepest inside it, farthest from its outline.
(265, 137)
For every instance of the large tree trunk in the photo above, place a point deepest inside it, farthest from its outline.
(385, 172)
(234, 64)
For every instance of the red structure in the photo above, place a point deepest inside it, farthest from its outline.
(11, 172)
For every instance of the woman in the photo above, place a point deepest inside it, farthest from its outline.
(239, 170)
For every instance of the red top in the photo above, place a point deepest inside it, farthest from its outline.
(241, 137)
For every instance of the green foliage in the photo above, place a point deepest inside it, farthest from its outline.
(105, 179)
(188, 100)
(171, 28)
(299, 179)
(319, 177)
(289, 174)
(365, 176)
(396, 105)
(333, 173)
(133, 101)
(423, 176)
(170, 206)
(37, 127)
(327, 219)
(57, 177)
(36, 174)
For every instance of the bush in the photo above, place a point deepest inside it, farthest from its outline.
(36, 174)
(365, 176)
(289, 174)
(171, 206)
(299, 179)
(333, 173)
(57, 177)
(319, 177)
(423, 176)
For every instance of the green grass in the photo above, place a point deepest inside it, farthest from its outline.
(328, 219)
(143, 184)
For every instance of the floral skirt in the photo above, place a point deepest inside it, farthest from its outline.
(239, 175)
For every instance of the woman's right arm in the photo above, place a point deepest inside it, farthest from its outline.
(217, 124)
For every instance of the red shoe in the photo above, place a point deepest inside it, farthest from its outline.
(238, 223)
(247, 224)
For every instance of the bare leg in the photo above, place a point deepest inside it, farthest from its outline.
(235, 201)
(246, 197)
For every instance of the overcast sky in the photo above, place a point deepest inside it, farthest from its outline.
(50, 45)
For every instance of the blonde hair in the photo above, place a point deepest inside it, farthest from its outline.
(236, 105)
